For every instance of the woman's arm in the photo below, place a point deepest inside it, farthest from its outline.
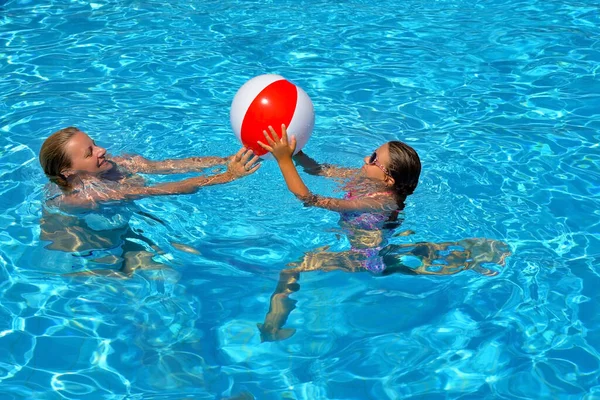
(186, 186)
(312, 167)
(139, 164)
(241, 164)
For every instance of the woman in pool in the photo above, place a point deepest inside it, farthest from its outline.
(375, 197)
(87, 175)
(87, 211)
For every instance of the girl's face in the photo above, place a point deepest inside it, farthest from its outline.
(85, 155)
(377, 164)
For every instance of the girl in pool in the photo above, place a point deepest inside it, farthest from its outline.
(387, 177)
(375, 196)
(94, 189)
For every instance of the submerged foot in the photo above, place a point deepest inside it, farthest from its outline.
(485, 256)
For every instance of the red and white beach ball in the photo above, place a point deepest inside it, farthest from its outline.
(271, 100)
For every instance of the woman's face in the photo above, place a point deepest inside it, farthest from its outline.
(377, 164)
(85, 155)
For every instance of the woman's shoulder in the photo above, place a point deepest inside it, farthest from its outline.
(70, 201)
(84, 193)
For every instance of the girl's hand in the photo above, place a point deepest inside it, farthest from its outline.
(280, 148)
(243, 163)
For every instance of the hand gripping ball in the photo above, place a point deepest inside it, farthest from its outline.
(271, 100)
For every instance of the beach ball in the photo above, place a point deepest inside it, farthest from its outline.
(271, 100)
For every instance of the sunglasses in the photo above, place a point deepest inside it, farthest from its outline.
(373, 161)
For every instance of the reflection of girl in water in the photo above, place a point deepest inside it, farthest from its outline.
(87, 207)
(369, 213)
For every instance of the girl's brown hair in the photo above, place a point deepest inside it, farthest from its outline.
(53, 157)
(405, 168)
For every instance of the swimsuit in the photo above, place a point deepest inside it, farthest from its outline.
(364, 225)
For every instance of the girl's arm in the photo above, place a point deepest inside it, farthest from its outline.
(139, 164)
(374, 204)
(282, 151)
(241, 164)
(312, 167)
(297, 186)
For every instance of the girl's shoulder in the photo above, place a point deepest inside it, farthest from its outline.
(362, 194)
(387, 194)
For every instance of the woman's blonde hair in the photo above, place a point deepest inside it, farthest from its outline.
(53, 157)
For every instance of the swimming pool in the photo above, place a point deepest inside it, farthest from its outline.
(500, 98)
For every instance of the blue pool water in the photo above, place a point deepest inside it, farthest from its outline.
(500, 98)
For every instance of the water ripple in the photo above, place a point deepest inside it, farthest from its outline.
(499, 97)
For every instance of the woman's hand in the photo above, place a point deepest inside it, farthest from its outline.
(280, 148)
(243, 163)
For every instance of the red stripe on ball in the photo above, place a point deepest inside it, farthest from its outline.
(274, 105)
